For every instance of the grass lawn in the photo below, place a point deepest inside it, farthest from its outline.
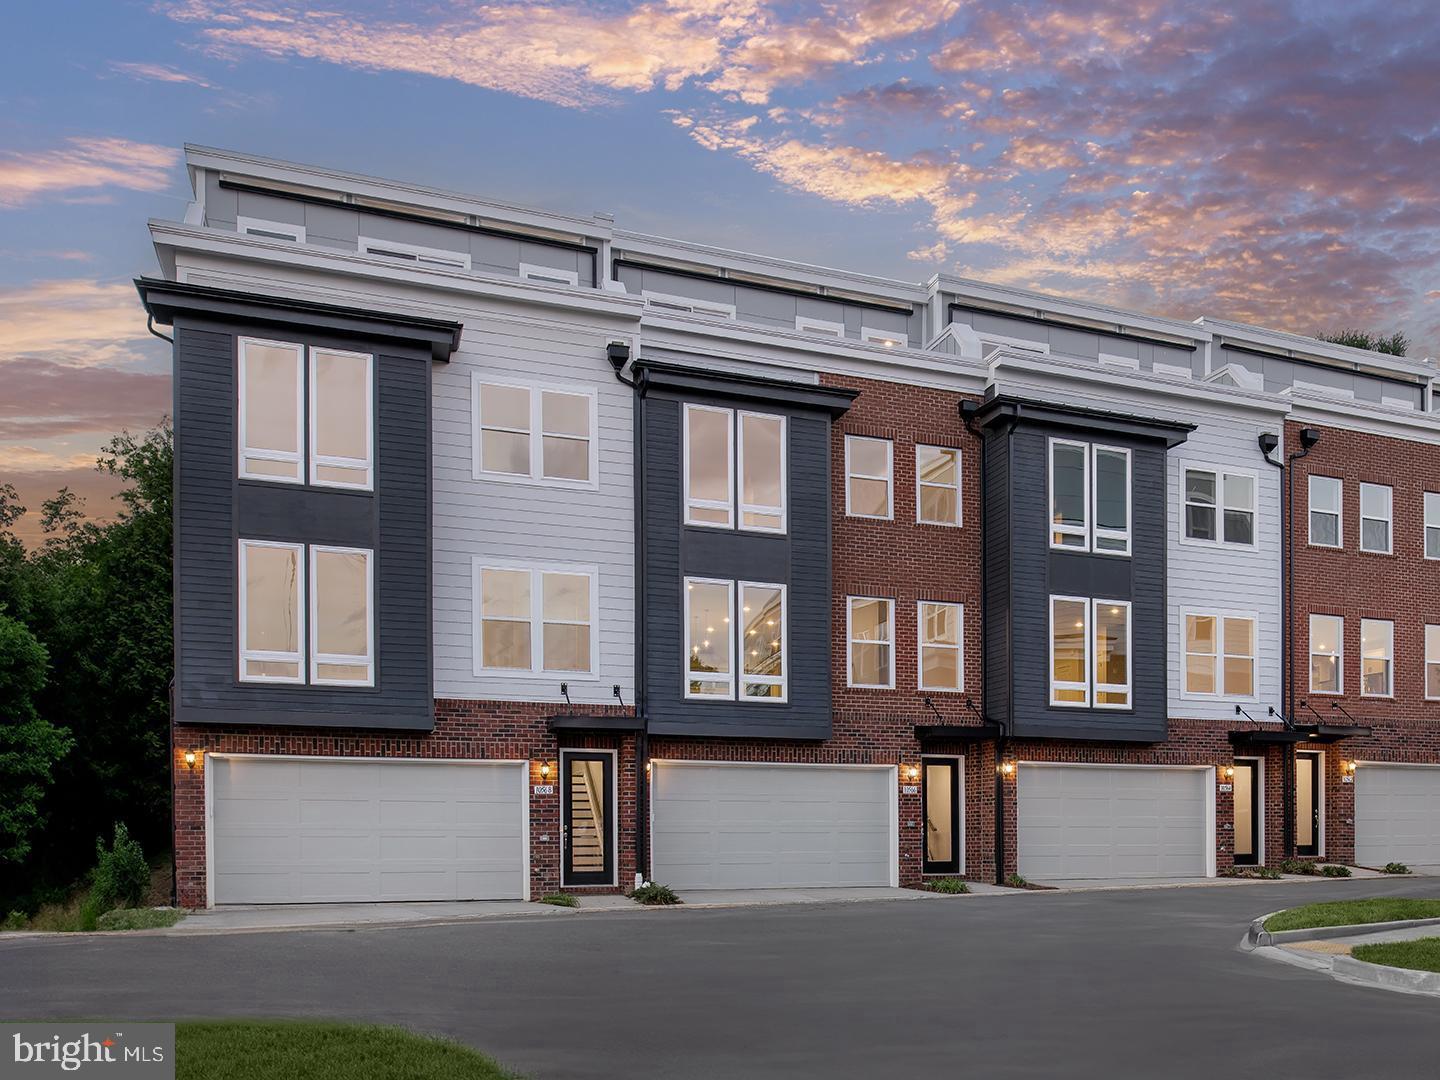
(1352, 913)
(306, 1050)
(139, 919)
(1422, 954)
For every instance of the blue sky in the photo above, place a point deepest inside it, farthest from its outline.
(1270, 161)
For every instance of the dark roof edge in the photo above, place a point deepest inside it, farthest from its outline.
(1004, 408)
(164, 299)
(578, 723)
(675, 377)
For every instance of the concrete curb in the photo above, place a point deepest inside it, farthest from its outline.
(1258, 937)
(1385, 977)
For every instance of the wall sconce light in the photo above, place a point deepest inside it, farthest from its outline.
(545, 770)
(1349, 767)
(1229, 771)
(1007, 768)
(912, 772)
(648, 766)
(189, 759)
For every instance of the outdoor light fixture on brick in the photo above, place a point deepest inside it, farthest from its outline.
(190, 758)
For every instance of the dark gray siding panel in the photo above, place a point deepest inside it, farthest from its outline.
(997, 576)
(800, 560)
(1086, 343)
(214, 510)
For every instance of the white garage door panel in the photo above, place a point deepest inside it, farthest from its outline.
(1397, 814)
(771, 826)
(1086, 822)
(285, 831)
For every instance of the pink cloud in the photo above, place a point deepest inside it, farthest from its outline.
(81, 165)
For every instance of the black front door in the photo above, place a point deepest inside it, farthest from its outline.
(1246, 786)
(587, 796)
(942, 816)
(1307, 803)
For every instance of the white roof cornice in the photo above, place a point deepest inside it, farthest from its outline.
(1297, 346)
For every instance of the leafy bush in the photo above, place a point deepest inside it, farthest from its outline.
(147, 918)
(652, 893)
(121, 876)
(560, 899)
(16, 920)
(1266, 872)
(1395, 868)
(1298, 866)
(1269, 873)
(1015, 881)
(1335, 871)
(951, 886)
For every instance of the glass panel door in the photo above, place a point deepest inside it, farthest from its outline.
(1246, 788)
(942, 817)
(1307, 804)
(588, 825)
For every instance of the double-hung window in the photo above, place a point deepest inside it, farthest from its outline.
(1090, 651)
(1089, 497)
(1376, 515)
(1219, 655)
(722, 445)
(941, 645)
(1327, 653)
(282, 594)
(535, 620)
(1219, 507)
(870, 640)
(538, 434)
(869, 491)
(937, 485)
(1326, 527)
(1432, 662)
(716, 638)
(1377, 658)
(274, 434)
(1432, 525)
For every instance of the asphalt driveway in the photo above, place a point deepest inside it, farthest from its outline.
(1130, 983)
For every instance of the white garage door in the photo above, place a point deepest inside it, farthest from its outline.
(1397, 814)
(295, 830)
(1079, 822)
(772, 826)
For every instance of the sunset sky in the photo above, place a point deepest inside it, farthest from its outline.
(1267, 161)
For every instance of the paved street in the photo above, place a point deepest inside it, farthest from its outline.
(1126, 983)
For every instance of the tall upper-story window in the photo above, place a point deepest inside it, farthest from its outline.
(1432, 662)
(535, 620)
(870, 633)
(1090, 651)
(274, 434)
(1089, 497)
(1432, 525)
(1376, 513)
(535, 434)
(941, 630)
(723, 444)
(716, 636)
(869, 473)
(1219, 655)
(1219, 506)
(1327, 666)
(1377, 658)
(1326, 527)
(937, 485)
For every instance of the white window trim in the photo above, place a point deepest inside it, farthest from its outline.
(1428, 524)
(536, 477)
(742, 507)
(1115, 360)
(1425, 674)
(549, 275)
(1085, 633)
(671, 303)
(685, 645)
(1220, 654)
(1127, 687)
(730, 457)
(850, 643)
(1389, 520)
(428, 257)
(889, 478)
(1220, 472)
(957, 487)
(738, 622)
(806, 325)
(921, 645)
(316, 657)
(1310, 512)
(253, 226)
(1390, 671)
(537, 669)
(1093, 475)
(1082, 530)
(296, 457)
(364, 466)
(1338, 654)
(889, 339)
(260, 655)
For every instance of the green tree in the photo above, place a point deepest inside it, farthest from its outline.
(29, 745)
(1397, 344)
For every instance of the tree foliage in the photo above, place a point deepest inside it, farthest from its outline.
(29, 744)
(1397, 344)
(97, 597)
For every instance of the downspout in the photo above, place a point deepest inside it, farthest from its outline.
(1286, 774)
(1308, 438)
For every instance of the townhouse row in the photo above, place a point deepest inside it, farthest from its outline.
(517, 552)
